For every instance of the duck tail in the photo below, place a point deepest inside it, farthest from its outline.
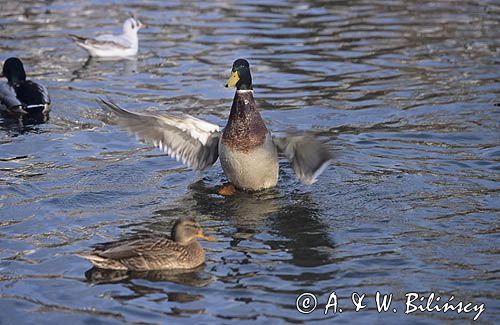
(102, 262)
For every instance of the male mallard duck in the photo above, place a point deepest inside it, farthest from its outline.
(21, 97)
(248, 153)
(126, 44)
(180, 251)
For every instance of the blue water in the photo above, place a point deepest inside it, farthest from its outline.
(405, 92)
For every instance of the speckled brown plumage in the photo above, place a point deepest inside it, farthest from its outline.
(245, 128)
(153, 253)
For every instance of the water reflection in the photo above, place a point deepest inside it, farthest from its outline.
(138, 289)
(24, 122)
(245, 210)
(15, 127)
(92, 67)
(290, 216)
(194, 277)
(306, 234)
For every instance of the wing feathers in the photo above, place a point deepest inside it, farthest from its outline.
(185, 138)
(308, 156)
(108, 42)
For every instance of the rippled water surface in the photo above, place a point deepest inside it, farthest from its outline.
(406, 92)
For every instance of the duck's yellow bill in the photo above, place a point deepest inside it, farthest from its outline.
(200, 234)
(235, 77)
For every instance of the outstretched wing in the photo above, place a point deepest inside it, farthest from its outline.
(185, 138)
(309, 157)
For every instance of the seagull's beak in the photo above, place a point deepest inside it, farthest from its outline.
(141, 25)
(200, 234)
(233, 80)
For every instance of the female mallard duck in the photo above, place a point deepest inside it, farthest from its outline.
(180, 251)
(248, 153)
(21, 97)
(126, 44)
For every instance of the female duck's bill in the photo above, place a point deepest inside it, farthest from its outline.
(23, 99)
(181, 251)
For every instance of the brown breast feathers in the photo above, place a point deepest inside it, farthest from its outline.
(245, 128)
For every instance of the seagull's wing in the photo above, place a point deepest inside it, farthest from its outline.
(122, 40)
(309, 157)
(103, 42)
(186, 138)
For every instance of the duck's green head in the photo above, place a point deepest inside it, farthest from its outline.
(240, 75)
(13, 70)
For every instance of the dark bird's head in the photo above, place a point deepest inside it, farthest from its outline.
(13, 70)
(186, 230)
(240, 75)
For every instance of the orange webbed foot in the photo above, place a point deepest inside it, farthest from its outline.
(227, 189)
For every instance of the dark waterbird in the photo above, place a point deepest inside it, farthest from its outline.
(23, 99)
